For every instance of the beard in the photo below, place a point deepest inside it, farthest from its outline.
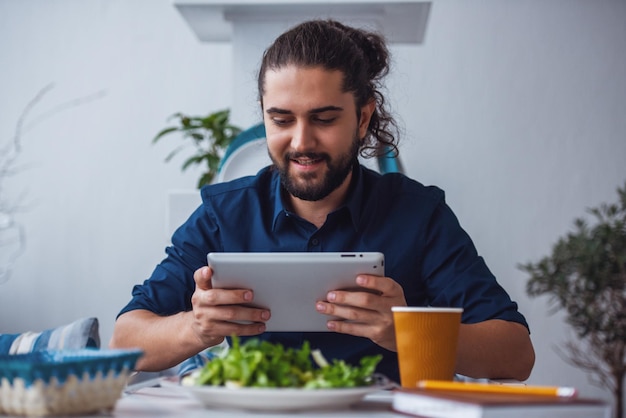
(309, 186)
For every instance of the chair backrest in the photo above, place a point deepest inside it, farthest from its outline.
(247, 154)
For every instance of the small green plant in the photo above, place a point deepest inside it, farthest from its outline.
(586, 276)
(210, 136)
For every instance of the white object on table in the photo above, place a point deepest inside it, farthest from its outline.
(175, 402)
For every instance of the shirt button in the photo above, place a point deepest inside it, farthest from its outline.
(315, 242)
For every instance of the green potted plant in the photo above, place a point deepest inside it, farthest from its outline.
(586, 275)
(210, 135)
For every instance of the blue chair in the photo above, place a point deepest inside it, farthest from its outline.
(248, 153)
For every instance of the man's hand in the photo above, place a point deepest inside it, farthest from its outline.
(218, 313)
(367, 313)
(168, 340)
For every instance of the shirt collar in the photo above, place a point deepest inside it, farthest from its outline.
(353, 203)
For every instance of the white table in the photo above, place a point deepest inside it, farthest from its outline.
(172, 402)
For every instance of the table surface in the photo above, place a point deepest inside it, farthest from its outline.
(170, 400)
(177, 402)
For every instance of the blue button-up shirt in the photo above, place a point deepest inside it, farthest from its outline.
(425, 249)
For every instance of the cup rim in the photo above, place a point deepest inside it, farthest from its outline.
(425, 309)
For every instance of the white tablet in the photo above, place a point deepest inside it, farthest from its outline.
(289, 284)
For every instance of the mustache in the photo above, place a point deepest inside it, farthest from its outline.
(309, 155)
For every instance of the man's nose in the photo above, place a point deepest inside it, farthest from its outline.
(302, 138)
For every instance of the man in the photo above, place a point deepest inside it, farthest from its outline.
(319, 93)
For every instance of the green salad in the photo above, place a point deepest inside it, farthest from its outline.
(262, 364)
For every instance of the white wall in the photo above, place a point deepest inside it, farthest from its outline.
(96, 188)
(516, 109)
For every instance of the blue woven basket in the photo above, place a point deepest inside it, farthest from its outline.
(64, 382)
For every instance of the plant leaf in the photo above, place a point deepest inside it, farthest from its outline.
(196, 159)
(164, 132)
(211, 134)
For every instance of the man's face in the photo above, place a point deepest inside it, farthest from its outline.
(312, 129)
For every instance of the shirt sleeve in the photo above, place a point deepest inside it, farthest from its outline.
(455, 275)
(170, 287)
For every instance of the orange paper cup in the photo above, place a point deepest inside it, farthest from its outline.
(426, 339)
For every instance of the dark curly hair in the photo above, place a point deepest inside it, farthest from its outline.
(361, 56)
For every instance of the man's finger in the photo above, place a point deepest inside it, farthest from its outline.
(202, 277)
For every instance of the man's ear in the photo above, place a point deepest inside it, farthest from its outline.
(367, 111)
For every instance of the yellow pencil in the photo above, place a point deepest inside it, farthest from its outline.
(567, 392)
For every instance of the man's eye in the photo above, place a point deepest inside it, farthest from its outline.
(325, 121)
(280, 121)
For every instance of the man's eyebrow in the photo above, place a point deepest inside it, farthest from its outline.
(276, 110)
(326, 109)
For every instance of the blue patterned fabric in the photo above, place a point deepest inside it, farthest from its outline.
(83, 333)
(195, 362)
(199, 360)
